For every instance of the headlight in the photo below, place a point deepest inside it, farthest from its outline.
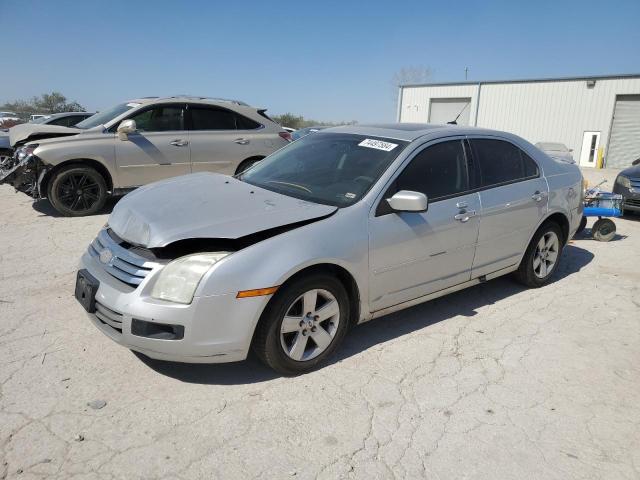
(624, 181)
(25, 152)
(179, 279)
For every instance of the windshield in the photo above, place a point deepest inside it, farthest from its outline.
(105, 116)
(330, 168)
(41, 119)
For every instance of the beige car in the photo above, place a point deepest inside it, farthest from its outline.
(139, 142)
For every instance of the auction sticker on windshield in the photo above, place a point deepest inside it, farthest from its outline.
(377, 144)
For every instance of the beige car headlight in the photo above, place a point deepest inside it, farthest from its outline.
(180, 278)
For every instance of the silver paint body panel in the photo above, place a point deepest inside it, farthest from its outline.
(396, 260)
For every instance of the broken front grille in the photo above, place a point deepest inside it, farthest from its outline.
(119, 261)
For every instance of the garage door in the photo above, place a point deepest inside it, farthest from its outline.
(444, 110)
(624, 144)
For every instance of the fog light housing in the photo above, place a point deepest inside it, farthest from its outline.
(157, 331)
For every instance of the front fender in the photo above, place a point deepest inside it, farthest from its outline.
(341, 240)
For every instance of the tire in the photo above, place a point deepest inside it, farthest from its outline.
(540, 262)
(603, 230)
(299, 343)
(77, 191)
(582, 226)
(247, 164)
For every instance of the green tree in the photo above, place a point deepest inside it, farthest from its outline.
(54, 102)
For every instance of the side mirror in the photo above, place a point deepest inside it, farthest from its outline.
(407, 201)
(125, 128)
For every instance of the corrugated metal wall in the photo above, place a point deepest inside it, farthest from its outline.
(553, 111)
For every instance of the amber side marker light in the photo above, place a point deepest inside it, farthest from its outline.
(259, 292)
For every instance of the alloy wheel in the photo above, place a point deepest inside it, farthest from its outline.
(78, 191)
(310, 325)
(546, 255)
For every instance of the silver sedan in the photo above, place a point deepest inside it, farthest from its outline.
(335, 229)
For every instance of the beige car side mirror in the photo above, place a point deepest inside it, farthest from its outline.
(125, 128)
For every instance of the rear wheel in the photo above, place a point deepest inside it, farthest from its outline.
(541, 259)
(603, 230)
(303, 324)
(77, 191)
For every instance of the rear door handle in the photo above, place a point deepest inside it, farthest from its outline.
(465, 216)
(242, 141)
(537, 196)
(179, 143)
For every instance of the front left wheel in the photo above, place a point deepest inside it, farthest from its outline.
(303, 324)
(77, 191)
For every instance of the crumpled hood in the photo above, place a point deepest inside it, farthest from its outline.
(22, 132)
(205, 205)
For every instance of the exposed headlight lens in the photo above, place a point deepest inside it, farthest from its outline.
(179, 279)
(624, 181)
(25, 152)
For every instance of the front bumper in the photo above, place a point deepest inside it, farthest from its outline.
(25, 176)
(630, 197)
(217, 329)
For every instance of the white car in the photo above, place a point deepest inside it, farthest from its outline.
(8, 117)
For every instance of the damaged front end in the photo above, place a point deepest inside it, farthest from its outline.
(24, 171)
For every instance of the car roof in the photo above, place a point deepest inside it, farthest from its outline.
(412, 131)
(189, 98)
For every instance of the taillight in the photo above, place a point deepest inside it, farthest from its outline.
(285, 135)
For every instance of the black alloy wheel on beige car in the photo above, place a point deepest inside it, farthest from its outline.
(76, 191)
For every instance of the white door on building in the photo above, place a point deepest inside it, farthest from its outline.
(589, 151)
(624, 142)
(444, 110)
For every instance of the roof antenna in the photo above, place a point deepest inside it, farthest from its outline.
(455, 121)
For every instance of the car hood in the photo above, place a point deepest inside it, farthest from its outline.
(631, 171)
(25, 131)
(205, 205)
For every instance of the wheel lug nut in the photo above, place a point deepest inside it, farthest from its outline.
(313, 329)
(304, 333)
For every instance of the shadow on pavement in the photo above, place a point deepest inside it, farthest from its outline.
(45, 208)
(465, 302)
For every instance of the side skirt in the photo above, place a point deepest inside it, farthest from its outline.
(441, 293)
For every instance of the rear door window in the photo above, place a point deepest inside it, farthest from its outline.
(213, 118)
(501, 162)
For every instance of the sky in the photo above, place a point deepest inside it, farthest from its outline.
(327, 60)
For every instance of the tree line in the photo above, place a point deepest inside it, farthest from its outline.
(47, 103)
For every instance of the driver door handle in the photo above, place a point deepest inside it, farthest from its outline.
(242, 141)
(179, 143)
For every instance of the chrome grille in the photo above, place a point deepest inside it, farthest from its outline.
(123, 264)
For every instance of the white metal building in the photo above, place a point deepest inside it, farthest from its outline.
(586, 113)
